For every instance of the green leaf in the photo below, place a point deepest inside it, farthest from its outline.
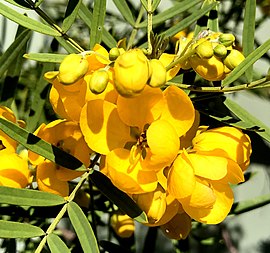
(244, 65)
(26, 21)
(86, 15)
(125, 11)
(155, 4)
(188, 21)
(99, 13)
(56, 245)
(41, 147)
(13, 51)
(83, 228)
(248, 33)
(176, 9)
(71, 14)
(119, 198)
(212, 22)
(249, 119)
(144, 3)
(10, 229)
(67, 45)
(28, 197)
(45, 57)
(19, 3)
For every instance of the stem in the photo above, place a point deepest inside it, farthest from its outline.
(149, 25)
(261, 83)
(135, 29)
(181, 60)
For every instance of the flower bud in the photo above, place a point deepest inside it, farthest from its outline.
(72, 68)
(227, 39)
(131, 71)
(114, 53)
(220, 51)
(123, 225)
(51, 75)
(233, 59)
(99, 81)
(205, 50)
(152, 203)
(158, 74)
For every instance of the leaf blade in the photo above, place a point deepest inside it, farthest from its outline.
(125, 11)
(71, 14)
(56, 245)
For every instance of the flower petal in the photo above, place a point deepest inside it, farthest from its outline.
(163, 145)
(142, 109)
(64, 174)
(178, 110)
(166, 59)
(127, 177)
(102, 128)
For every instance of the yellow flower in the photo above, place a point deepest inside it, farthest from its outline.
(199, 177)
(166, 59)
(14, 171)
(138, 135)
(122, 225)
(131, 73)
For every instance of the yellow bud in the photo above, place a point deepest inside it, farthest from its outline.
(114, 53)
(72, 68)
(51, 75)
(205, 50)
(220, 51)
(233, 59)
(131, 72)
(99, 81)
(227, 39)
(152, 203)
(123, 225)
(158, 73)
(210, 69)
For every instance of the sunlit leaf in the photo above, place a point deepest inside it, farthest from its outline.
(125, 11)
(248, 33)
(83, 228)
(45, 57)
(71, 14)
(56, 244)
(26, 21)
(249, 61)
(67, 45)
(40, 146)
(19, 3)
(10, 229)
(97, 22)
(119, 198)
(28, 197)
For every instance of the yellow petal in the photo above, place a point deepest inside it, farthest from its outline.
(163, 145)
(127, 177)
(181, 178)
(166, 59)
(102, 128)
(235, 174)
(220, 209)
(122, 225)
(64, 174)
(207, 166)
(14, 171)
(47, 180)
(178, 110)
(142, 109)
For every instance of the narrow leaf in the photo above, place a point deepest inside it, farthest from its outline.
(249, 61)
(26, 21)
(19, 3)
(41, 147)
(83, 228)
(45, 57)
(212, 22)
(97, 22)
(86, 15)
(144, 3)
(119, 198)
(13, 51)
(67, 45)
(71, 14)
(248, 33)
(245, 116)
(188, 21)
(176, 9)
(155, 4)
(125, 11)
(10, 229)
(56, 245)
(28, 197)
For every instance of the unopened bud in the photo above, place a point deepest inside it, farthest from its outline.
(158, 74)
(72, 68)
(233, 59)
(122, 225)
(227, 39)
(205, 50)
(99, 81)
(114, 53)
(220, 51)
